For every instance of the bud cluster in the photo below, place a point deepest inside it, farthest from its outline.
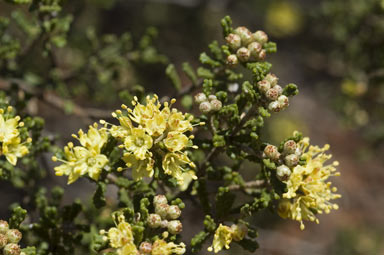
(286, 160)
(9, 239)
(165, 215)
(246, 46)
(273, 93)
(208, 104)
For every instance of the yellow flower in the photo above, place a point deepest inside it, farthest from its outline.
(156, 125)
(128, 249)
(142, 113)
(161, 247)
(11, 145)
(14, 149)
(173, 165)
(175, 141)
(308, 191)
(138, 143)
(140, 168)
(222, 239)
(124, 129)
(178, 122)
(240, 230)
(84, 160)
(121, 235)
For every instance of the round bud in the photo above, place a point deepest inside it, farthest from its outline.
(216, 105)
(174, 212)
(12, 249)
(272, 79)
(164, 224)
(162, 210)
(212, 97)
(263, 86)
(283, 101)
(3, 227)
(274, 106)
(3, 241)
(175, 227)
(245, 35)
(233, 87)
(154, 220)
(233, 41)
(283, 172)
(243, 54)
(260, 36)
(262, 55)
(232, 60)
(14, 236)
(290, 147)
(199, 98)
(145, 248)
(205, 107)
(161, 199)
(291, 160)
(254, 48)
(272, 94)
(279, 89)
(271, 152)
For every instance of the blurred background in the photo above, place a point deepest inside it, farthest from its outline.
(332, 49)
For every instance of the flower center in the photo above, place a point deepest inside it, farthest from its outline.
(139, 141)
(91, 161)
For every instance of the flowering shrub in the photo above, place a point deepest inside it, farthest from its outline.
(158, 157)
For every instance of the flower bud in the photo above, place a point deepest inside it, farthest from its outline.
(262, 55)
(298, 152)
(260, 36)
(162, 210)
(283, 101)
(283, 172)
(164, 224)
(145, 248)
(199, 98)
(274, 106)
(263, 86)
(271, 152)
(254, 48)
(243, 54)
(154, 220)
(291, 160)
(3, 227)
(245, 35)
(175, 227)
(272, 94)
(272, 79)
(290, 147)
(232, 60)
(14, 236)
(161, 199)
(279, 89)
(211, 97)
(12, 249)
(216, 105)
(205, 107)
(233, 41)
(3, 241)
(174, 212)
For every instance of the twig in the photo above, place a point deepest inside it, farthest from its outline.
(247, 185)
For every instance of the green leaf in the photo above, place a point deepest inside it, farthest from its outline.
(99, 196)
(188, 70)
(173, 76)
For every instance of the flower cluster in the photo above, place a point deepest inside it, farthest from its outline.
(11, 145)
(308, 191)
(247, 46)
(208, 104)
(121, 238)
(155, 129)
(224, 236)
(272, 92)
(9, 239)
(165, 216)
(84, 159)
